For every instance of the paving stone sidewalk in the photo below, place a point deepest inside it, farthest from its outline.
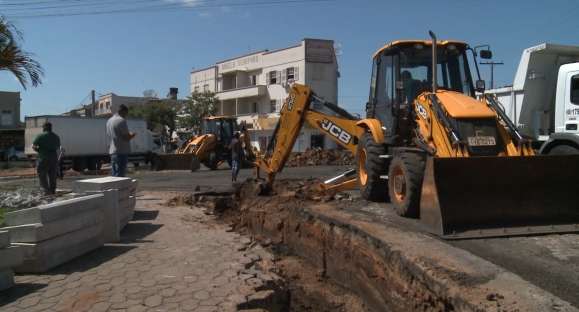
(169, 259)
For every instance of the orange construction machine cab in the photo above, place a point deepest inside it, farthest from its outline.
(402, 70)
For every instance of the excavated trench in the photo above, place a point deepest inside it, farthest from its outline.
(334, 261)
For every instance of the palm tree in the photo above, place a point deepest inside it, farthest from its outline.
(14, 59)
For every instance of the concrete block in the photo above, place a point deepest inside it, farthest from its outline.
(4, 239)
(45, 255)
(112, 225)
(101, 184)
(10, 257)
(54, 211)
(37, 232)
(6, 279)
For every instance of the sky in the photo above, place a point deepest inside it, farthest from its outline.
(127, 53)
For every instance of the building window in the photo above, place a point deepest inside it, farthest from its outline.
(272, 106)
(254, 107)
(273, 77)
(253, 80)
(290, 73)
(317, 141)
(196, 89)
(205, 87)
(6, 119)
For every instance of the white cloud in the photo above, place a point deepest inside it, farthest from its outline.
(188, 3)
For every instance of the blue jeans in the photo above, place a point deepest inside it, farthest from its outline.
(234, 169)
(119, 164)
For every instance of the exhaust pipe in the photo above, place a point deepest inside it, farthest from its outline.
(434, 61)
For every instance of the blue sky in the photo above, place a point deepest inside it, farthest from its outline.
(128, 53)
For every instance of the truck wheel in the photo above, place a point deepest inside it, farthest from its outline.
(369, 168)
(563, 150)
(405, 183)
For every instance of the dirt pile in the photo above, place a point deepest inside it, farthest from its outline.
(320, 157)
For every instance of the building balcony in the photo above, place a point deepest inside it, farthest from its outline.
(244, 92)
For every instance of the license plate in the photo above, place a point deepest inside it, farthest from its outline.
(482, 141)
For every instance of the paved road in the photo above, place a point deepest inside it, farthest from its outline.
(169, 259)
(550, 262)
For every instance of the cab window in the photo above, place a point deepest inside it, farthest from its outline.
(575, 89)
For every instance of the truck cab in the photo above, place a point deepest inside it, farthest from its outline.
(543, 101)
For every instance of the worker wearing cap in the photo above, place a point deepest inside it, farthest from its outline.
(46, 145)
(120, 146)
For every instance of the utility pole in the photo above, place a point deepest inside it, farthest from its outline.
(492, 64)
(93, 103)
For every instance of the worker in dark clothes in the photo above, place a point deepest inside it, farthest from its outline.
(236, 154)
(46, 145)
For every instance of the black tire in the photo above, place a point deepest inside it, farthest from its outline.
(195, 164)
(405, 177)
(155, 162)
(370, 167)
(211, 162)
(564, 150)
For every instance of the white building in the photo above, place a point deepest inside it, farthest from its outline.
(253, 86)
(108, 104)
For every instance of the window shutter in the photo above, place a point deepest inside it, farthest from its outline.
(283, 76)
(278, 78)
(267, 75)
(296, 73)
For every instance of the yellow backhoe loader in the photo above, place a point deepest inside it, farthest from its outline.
(210, 148)
(437, 152)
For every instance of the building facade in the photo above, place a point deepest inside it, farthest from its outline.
(108, 104)
(252, 87)
(9, 110)
(11, 129)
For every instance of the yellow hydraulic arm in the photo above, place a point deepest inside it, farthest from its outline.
(302, 105)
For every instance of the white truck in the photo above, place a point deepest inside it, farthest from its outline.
(543, 101)
(85, 141)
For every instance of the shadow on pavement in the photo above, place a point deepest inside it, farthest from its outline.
(91, 259)
(145, 215)
(18, 291)
(135, 232)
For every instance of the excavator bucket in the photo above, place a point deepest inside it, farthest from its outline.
(500, 196)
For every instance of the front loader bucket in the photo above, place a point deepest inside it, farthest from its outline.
(175, 162)
(500, 196)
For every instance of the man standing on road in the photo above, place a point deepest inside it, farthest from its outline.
(236, 152)
(46, 145)
(120, 147)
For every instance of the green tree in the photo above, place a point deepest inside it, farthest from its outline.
(198, 106)
(14, 59)
(159, 115)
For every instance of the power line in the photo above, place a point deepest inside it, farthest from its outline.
(166, 7)
(81, 5)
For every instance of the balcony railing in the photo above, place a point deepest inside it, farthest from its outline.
(244, 92)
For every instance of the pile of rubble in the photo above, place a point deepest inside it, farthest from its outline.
(320, 157)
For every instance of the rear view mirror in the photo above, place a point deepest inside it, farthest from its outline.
(486, 54)
(480, 86)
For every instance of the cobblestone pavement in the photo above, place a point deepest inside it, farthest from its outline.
(169, 259)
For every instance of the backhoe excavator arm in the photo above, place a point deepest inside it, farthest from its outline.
(302, 106)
